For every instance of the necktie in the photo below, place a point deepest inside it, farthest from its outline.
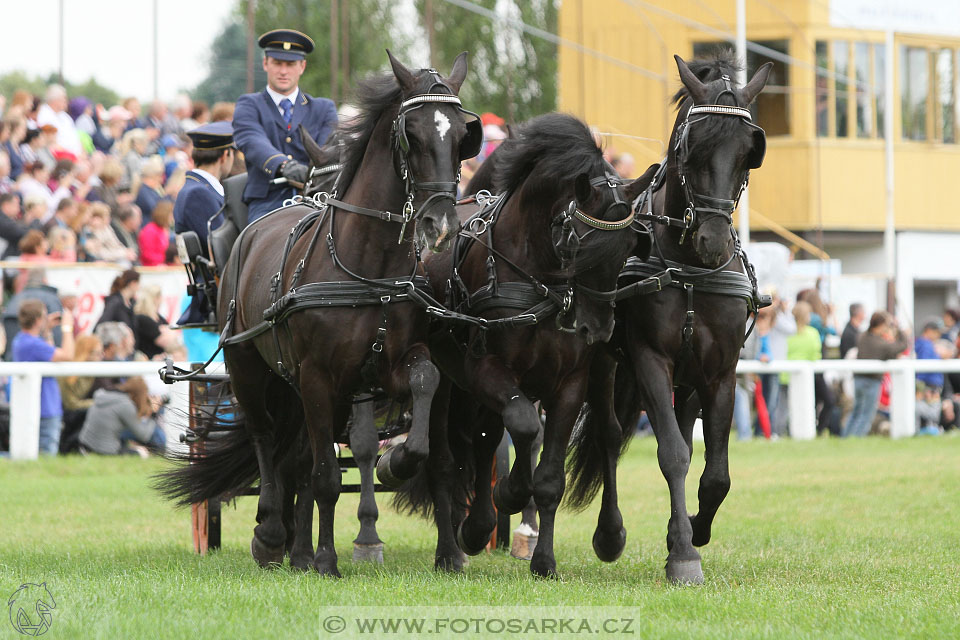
(287, 107)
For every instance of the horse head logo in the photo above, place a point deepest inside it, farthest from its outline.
(30, 608)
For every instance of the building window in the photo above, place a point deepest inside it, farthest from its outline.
(880, 85)
(946, 98)
(914, 89)
(771, 110)
(841, 87)
(823, 93)
(849, 89)
(861, 64)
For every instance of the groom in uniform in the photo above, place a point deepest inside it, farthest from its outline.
(266, 124)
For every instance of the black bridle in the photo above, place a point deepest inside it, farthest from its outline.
(439, 191)
(702, 207)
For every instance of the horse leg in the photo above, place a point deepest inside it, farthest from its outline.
(252, 392)
(610, 536)
(498, 389)
(654, 379)
(420, 375)
(549, 478)
(715, 481)
(322, 422)
(298, 503)
(525, 536)
(474, 532)
(441, 475)
(364, 446)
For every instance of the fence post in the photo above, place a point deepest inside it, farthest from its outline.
(25, 416)
(803, 403)
(903, 402)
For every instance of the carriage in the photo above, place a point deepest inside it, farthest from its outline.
(524, 302)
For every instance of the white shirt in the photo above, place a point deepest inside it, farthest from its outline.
(278, 97)
(209, 178)
(66, 129)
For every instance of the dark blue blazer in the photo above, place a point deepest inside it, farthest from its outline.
(267, 142)
(196, 203)
(147, 199)
(16, 160)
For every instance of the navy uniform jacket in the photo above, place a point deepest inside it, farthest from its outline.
(196, 203)
(261, 134)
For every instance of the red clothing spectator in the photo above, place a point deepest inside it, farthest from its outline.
(155, 236)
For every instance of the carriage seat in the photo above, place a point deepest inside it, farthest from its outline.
(234, 220)
(202, 284)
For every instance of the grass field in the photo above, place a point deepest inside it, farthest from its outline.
(851, 539)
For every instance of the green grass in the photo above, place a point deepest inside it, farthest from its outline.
(852, 539)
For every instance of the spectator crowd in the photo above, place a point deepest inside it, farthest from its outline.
(848, 405)
(84, 182)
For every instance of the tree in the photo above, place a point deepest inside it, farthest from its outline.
(227, 78)
(366, 28)
(96, 92)
(512, 73)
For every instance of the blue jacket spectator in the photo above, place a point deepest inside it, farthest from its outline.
(34, 344)
(924, 349)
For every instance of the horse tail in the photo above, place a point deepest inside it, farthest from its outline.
(227, 463)
(226, 466)
(585, 455)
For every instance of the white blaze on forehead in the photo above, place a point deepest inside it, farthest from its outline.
(443, 123)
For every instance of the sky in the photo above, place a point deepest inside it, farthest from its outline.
(112, 41)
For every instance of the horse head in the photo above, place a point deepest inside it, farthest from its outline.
(324, 163)
(592, 238)
(713, 147)
(432, 134)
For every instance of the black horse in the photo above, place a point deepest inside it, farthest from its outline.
(678, 348)
(541, 266)
(315, 305)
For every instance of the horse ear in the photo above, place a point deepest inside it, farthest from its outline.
(311, 147)
(756, 84)
(458, 73)
(695, 88)
(635, 188)
(403, 75)
(582, 188)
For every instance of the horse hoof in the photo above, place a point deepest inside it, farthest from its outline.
(464, 546)
(302, 561)
(524, 542)
(607, 546)
(266, 557)
(328, 572)
(545, 570)
(502, 499)
(368, 552)
(449, 564)
(384, 473)
(684, 572)
(701, 534)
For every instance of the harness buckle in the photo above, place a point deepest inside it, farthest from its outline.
(384, 299)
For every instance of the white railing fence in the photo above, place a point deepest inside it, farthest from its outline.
(25, 380)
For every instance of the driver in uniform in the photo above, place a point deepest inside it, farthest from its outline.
(266, 124)
(201, 197)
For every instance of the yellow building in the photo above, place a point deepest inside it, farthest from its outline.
(825, 173)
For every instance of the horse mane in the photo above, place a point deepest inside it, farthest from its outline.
(704, 137)
(372, 97)
(559, 145)
(546, 157)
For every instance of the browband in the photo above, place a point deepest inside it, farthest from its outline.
(721, 109)
(430, 97)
